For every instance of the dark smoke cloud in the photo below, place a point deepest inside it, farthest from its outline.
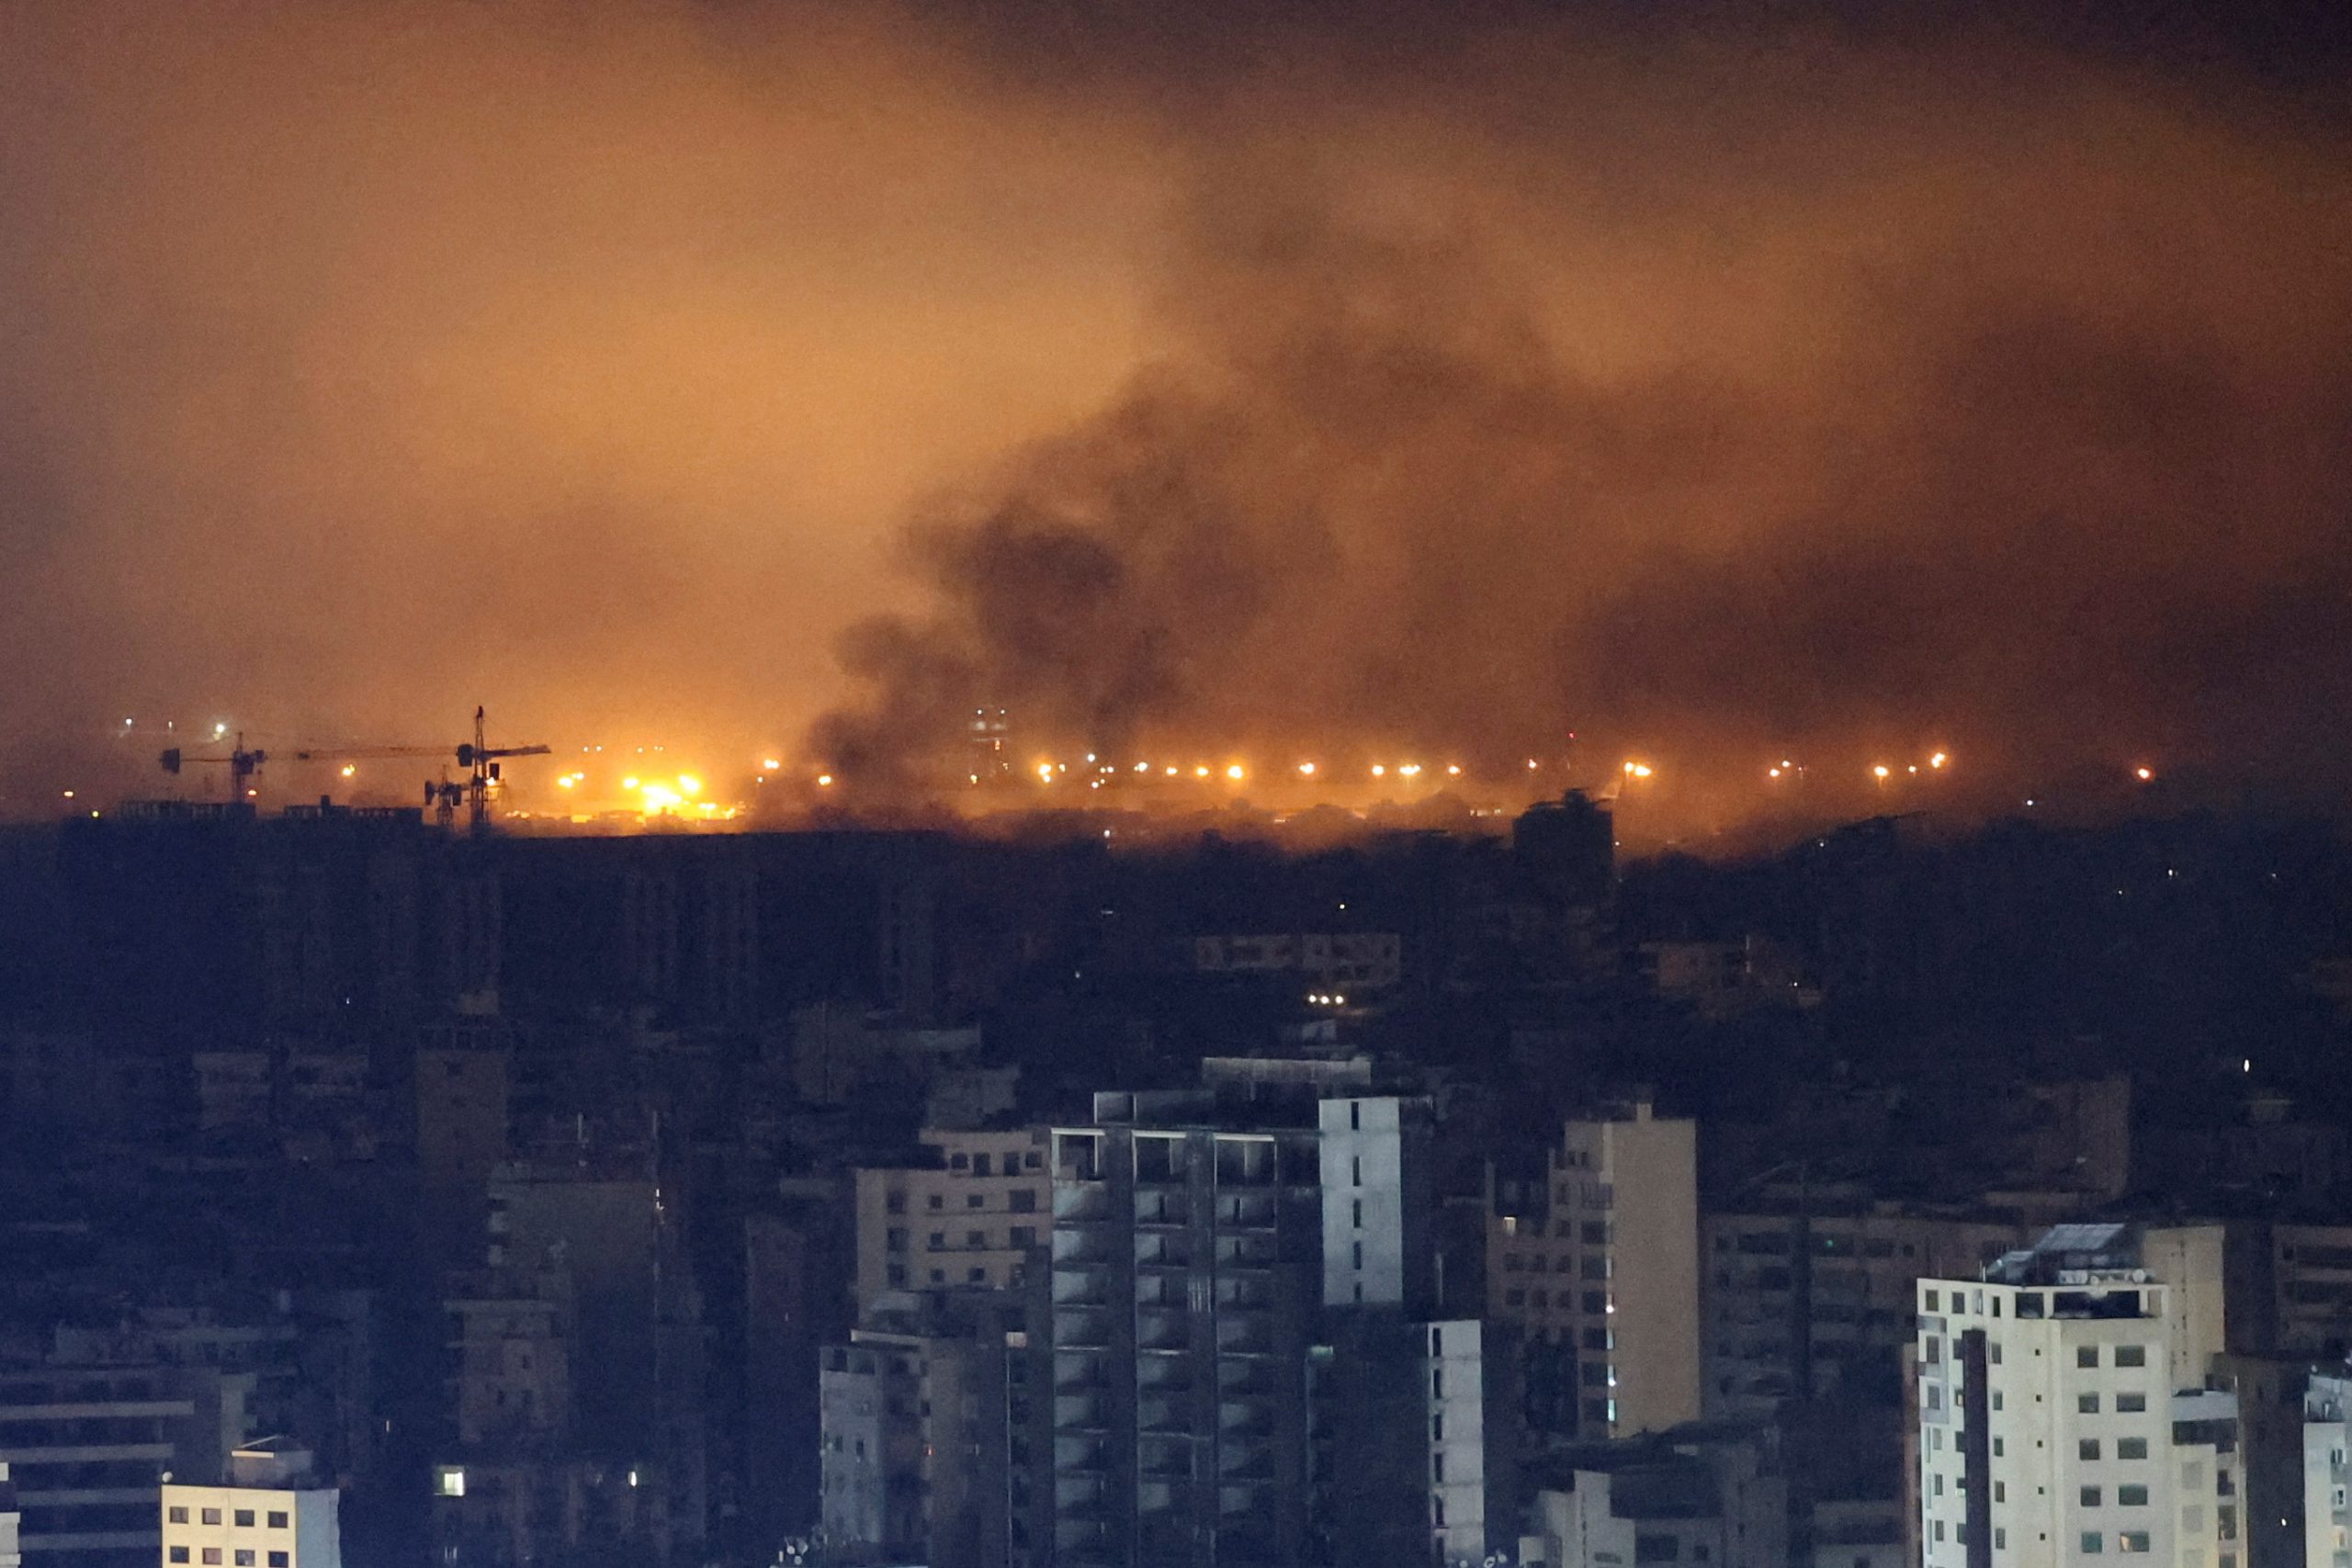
(1254, 377)
(1826, 401)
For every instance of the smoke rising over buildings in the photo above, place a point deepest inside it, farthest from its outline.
(1714, 392)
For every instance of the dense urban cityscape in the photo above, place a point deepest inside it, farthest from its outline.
(1234, 784)
(897, 1197)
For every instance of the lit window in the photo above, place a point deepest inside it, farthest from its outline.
(449, 1481)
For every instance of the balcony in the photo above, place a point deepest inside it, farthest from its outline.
(1084, 1328)
(1080, 1414)
(1163, 1250)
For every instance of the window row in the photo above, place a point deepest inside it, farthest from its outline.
(243, 1517)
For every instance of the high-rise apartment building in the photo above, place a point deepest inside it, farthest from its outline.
(2050, 1431)
(1596, 1263)
(1186, 1272)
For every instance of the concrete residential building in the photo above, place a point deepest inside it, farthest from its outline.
(9, 1520)
(87, 1446)
(970, 1220)
(272, 1514)
(2327, 1439)
(1324, 960)
(1413, 1457)
(916, 1438)
(1378, 1204)
(1187, 1264)
(1818, 1303)
(1597, 1264)
(1710, 1494)
(2048, 1432)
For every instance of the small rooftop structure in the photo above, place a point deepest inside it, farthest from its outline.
(2071, 1254)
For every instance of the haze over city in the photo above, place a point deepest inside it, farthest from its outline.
(779, 381)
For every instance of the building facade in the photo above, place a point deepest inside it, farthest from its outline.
(2048, 1430)
(1187, 1264)
(271, 1514)
(1597, 1265)
(972, 1219)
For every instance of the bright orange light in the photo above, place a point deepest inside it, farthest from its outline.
(1233, 771)
(1642, 769)
(824, 781)
(1939, 760)
(1172, 772)
(1773, 773)
(1454, 770)
(1045, 771)
(2142, 774)
(1411, 770)
(1530, 764)
(1201, 771)
(1143, 767)
(770, 764)
(349, 769)
(1308, 768)
(566, 782)
(1379, 772)
(628, 784)
(1881, 771)
(689, 785)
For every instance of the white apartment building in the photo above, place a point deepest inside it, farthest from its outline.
(2049, 1433)
(270, 1515)
(2327, 1437)
(1377, 1202)
(9, 1521)
(1604, 1259)
(969, 1219)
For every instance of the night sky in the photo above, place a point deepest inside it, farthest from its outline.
(1721, 382)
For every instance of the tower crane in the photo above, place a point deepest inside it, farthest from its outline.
(242, 764)
(481, 762)
(443, 795)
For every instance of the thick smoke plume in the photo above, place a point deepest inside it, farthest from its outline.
(2005, 412)
(1254, 380)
